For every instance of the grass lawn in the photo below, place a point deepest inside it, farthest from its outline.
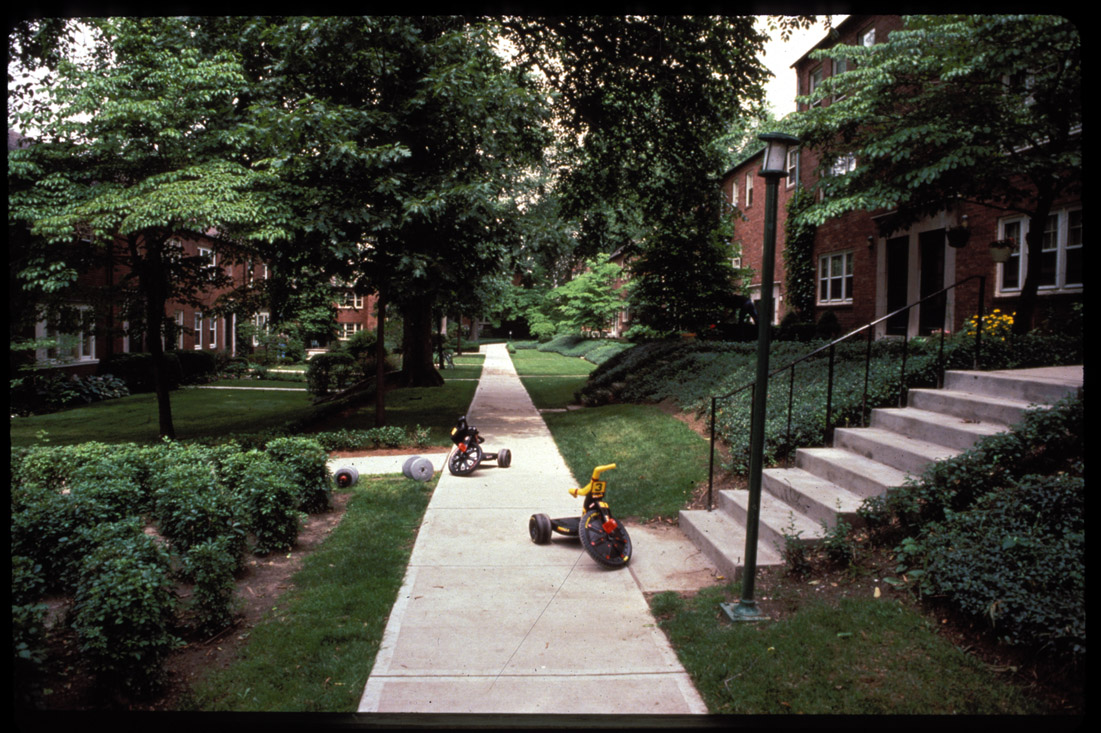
(258, 383)
(196, 413)
(659, 459)
(436, 408)
(315, 649)
(531, 362)
(861, 657)
(551, 379)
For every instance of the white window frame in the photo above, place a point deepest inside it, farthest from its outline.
(829, 279)
(179, 330)
(350, 301)
(81, 351)
(840, 66)
(867, 36)
(347, 330)
(734, 192)
(198, 330)
(261, 321)
(814, 80)
(1062, 241)
(748, 189)
(792, 167)
(213, 331)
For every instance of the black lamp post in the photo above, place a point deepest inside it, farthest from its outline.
(773, 168)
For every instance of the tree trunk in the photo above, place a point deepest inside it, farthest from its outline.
(153, 284)
(417, 369)
(1026, 306)
(380, 363)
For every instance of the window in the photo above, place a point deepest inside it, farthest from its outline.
(734, 192)
(835, 278)
(347, 330)
(748, 189)
(867, 38)
(813, 81)
(198, 329)
(350, 300)
(208, 255)
(844, 164)
(1060, 258)
(179, 330)
(261, 321)
(69, 346)
(840, 66)
(792, 167)
(213, 332)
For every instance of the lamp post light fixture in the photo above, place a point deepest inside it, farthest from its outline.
(773, 168)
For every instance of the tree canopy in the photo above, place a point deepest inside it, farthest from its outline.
(985, 109)
(135, 144)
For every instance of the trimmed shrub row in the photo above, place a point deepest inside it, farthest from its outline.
(79, 518)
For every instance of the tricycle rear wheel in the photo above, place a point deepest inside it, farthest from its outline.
(539, 527)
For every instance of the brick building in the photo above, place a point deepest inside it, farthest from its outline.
(861, 276)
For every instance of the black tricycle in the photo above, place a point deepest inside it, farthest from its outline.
(468, 452)
(602, 535)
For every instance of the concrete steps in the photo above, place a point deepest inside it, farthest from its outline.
(826, 484)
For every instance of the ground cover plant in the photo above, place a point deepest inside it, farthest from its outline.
(689, 373)
(998, 532)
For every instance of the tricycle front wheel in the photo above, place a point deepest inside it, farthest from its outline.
(608, 545)
(460, 463)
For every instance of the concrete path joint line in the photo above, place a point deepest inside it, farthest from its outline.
(488, 622)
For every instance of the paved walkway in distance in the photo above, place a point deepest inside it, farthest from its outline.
(488, 622)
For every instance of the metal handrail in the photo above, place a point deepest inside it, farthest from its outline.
(830, 348)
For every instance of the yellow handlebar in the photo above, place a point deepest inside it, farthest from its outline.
(601, 469)
(594, 480)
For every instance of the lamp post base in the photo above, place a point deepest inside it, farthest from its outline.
(743, 611)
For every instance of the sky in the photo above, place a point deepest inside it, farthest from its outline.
(779, 57)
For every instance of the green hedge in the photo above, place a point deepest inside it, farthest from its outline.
(137, 370)
(78, 515)
(999, 531)
(125, 607)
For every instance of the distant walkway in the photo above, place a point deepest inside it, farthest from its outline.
(489, 622)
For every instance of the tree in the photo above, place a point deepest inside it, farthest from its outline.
(645, 103)
(592, 299)
(984, 109)
(137, 147)
(406, 141)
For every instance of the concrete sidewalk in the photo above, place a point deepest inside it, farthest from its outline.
(488, 622)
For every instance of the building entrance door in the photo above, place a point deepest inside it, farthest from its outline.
(898, 277)
(931, 252)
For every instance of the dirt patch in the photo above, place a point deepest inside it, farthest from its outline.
(259, 586)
